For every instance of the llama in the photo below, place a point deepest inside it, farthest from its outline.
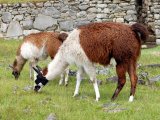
(37, 47)
(98, 43)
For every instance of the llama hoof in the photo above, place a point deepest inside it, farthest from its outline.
(66, 84)
(76, 95)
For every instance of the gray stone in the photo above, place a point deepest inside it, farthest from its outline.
(113, 79)
(6, 17)
(91, 16)
(79, 23)
(39, 4)
(14, 29)
(101, 16)
(121, 20)
(42, 22)
(3, 27)
(24, 5)
(16, 5)
(28, 88)
(81, 14)
(128, 17)
(51, 117)
(51, 11)
(64, 9)
(31, 5)
(106, 10)
(66, 25)
(27, 24)
(47, 4)
(15, 12)
(18, 18)
(130, 12)
(92, 10)
(158, 41)
(83, 7)
(101, 5)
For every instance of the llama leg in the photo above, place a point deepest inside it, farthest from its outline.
(31, 72)
(91, 71)
(133, 79)
(66, 76)
(61, 79)
(121, 70)
(78, 82)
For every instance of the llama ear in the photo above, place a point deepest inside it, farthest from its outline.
(10, 66)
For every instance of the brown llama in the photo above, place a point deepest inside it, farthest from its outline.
(98, 43)
(35, 47)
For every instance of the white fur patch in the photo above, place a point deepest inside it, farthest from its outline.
(131, 98)
(70, 52)
(30, 51)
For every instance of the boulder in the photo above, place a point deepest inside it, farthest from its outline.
(51, 11)
(42, 22)
(66, 25)
(27, 24)
(14, 29)
(18, 18)
(3, 27)
(6, 17)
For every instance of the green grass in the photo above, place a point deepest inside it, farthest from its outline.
(17, 104)
(20, 1)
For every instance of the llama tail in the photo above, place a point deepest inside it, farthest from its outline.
(141, 31)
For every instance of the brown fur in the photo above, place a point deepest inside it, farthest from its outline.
(51, 40)
(103, 41)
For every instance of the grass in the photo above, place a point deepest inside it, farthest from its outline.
(20, 1)
(18, 104)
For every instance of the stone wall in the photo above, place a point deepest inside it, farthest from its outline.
(63, 15)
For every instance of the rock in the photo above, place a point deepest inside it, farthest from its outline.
(99, 16)
(27, 32)
(83, 7)
(14, 29)
(51, 116)
(42, 22)
(24, 5)
(30, 4)
(130, 12)
(66, 25)
(158, 41)
(18, 18)
(3, 27)
(47, 4)
(113, 79)
(92, 10)
(28, 88)
(39, 4)
(82, 22)
(27, 24)
(81, 14)
(6, 17)
(106, 10)
(101, 5)
(155, 79)
(51, 11)
(120, 20)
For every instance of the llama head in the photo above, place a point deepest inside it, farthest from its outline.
(17, 66)
(15, 70)
(40, 80)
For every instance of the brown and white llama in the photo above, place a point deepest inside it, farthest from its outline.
(35, 47)
(98, 43)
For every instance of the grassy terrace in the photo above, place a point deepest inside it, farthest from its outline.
(19, 104)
